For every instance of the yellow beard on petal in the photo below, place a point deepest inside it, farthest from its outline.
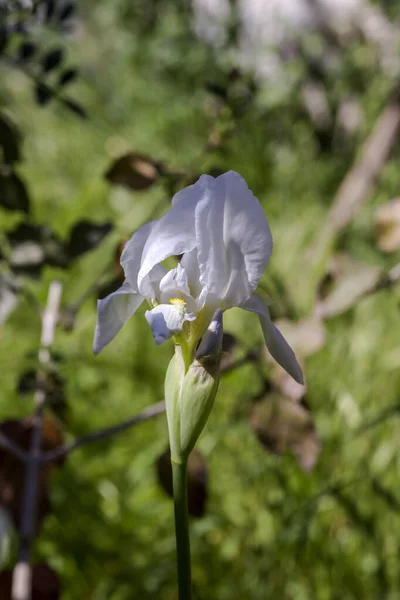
(177, 301)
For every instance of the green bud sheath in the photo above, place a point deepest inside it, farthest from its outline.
(189, 396)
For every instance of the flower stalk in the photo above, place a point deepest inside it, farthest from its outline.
(189, 396)
(179, 475)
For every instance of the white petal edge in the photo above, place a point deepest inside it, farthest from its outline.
(112, 313)
(276, 343)
(131, 256)
(234, 241)
(167, 320)
(174, 232)
(173, 283)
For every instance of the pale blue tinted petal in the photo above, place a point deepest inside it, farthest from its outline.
(174, 282)
(175, 285)
(198, 291)
(174, 233)
(190, 264)
(167, 320)
(276, 343)
(131, 257)
(150, 286)
(202, 182)
(234, 241)
(112, 313)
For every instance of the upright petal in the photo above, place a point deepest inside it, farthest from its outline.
(167, 320)
(112, 313)
(234, 241)
(175, 285)
(173, 282)
(189, 262)
(150, 287)
(174, 233)
(276, 343)
(131, 257)
(203, 181)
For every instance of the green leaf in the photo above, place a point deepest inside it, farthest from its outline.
(13, 193)
(10, 140)
(86, 235)
(52, 60)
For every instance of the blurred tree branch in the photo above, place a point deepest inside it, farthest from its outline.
(21, 585)
(148, 413)
(358, 182)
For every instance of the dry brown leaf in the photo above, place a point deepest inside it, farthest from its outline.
(283, 425)
(134, 171)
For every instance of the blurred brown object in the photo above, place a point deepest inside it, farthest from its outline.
(135, 171)
(347, 280)
(387, 226)
(197, 476)
(282, 425)
(45, 583)
(12, 470)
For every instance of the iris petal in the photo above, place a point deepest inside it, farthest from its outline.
(174, 232)
(131, 256)
(172, 283)
(276, 343)
(112, 314)
(234, 241)
(167, 320)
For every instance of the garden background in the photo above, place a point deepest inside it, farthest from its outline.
(106, 110)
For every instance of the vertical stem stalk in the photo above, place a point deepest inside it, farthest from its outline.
(179, 474)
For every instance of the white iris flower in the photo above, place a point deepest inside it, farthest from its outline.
(221, 233)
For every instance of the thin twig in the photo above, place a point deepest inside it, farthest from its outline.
(148, 413)
(21, 585)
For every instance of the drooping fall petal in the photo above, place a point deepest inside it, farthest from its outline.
(276, 343)
(112, 314)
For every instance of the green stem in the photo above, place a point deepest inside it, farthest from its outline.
(179, 474)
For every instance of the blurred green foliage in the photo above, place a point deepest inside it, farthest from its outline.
(148, 85)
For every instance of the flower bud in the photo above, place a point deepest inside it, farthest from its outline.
(189, 396)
